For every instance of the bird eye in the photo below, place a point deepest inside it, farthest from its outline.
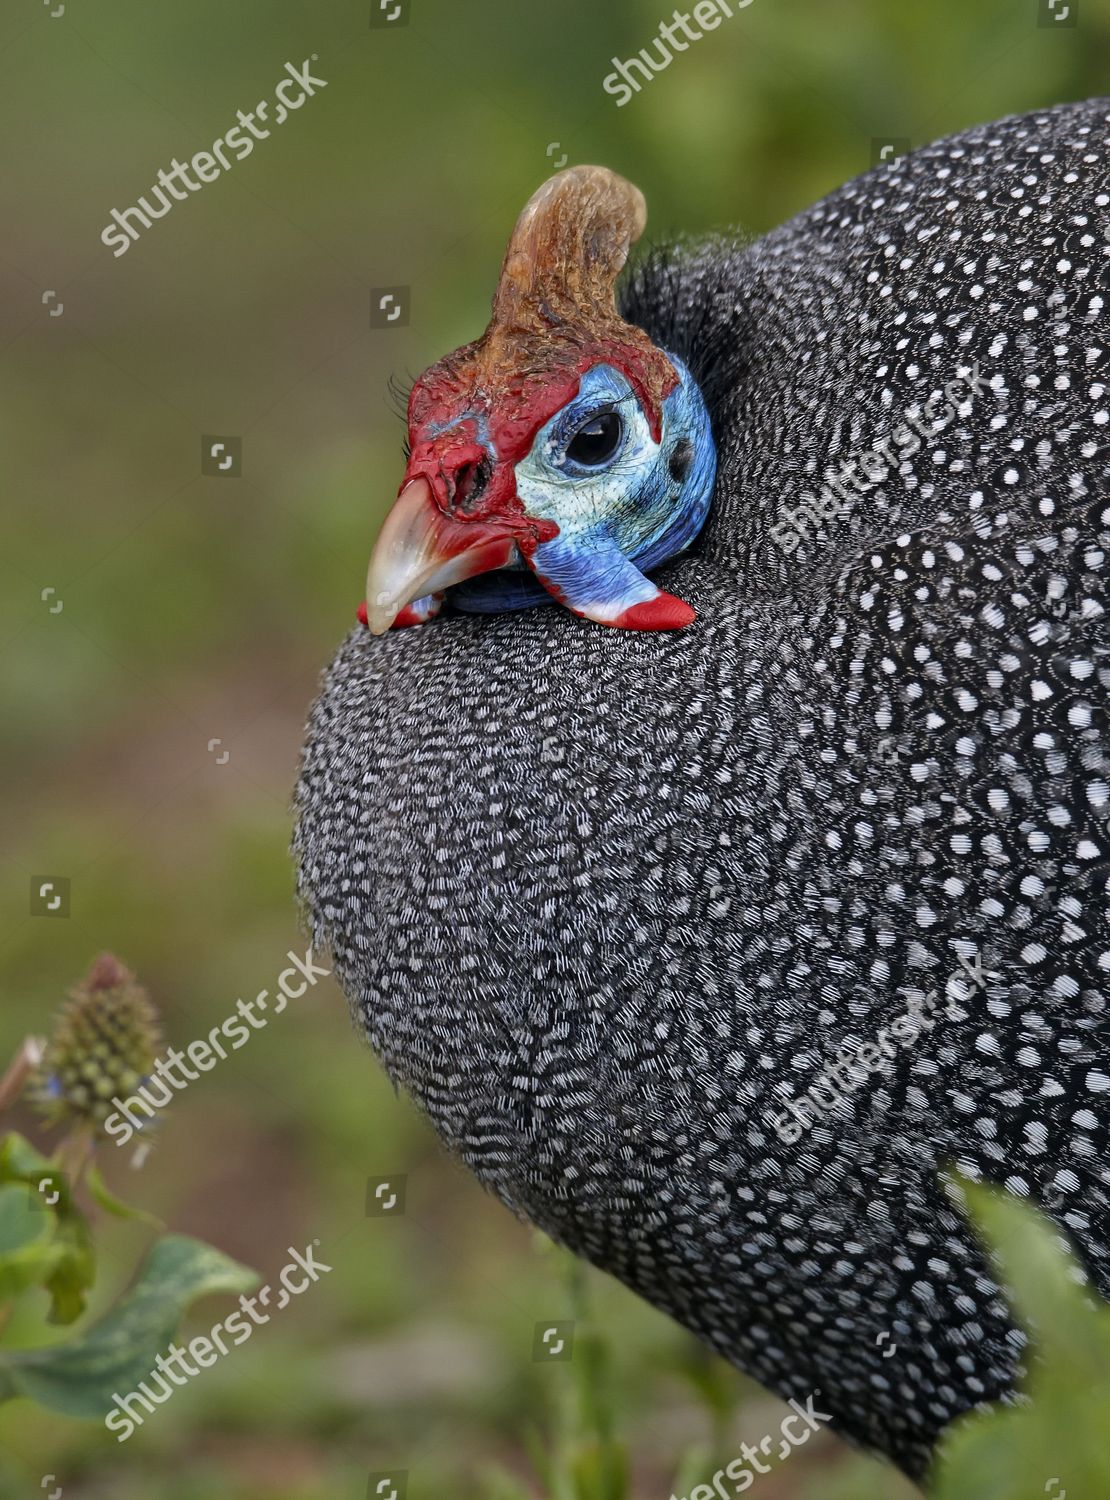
(596, 440)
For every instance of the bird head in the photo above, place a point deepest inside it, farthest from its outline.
(560, 454)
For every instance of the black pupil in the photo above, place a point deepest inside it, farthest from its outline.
(595, 440)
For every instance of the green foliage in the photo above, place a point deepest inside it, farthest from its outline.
(104, 1198)
(586, 1460)
(1014, 1453)
(80, 1376)
(24, 1237)
(103, 1040)
(52, 1246)
(583, 1459)
(45, 1241)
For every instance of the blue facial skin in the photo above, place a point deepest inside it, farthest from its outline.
(616, 519)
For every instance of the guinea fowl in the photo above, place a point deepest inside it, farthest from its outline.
(611, 902)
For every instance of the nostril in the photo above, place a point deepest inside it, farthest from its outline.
(470, 480)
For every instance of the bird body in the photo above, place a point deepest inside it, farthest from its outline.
(626, 911)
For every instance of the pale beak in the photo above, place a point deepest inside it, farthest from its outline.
(422, 551)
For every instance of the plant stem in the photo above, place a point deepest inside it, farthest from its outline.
(73, 1153)
(23, 1064)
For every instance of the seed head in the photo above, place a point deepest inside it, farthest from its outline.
(104, 1044)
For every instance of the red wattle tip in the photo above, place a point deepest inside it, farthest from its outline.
(410, 616)
(665, 612)
(362, 616)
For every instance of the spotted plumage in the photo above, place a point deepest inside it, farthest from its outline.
(602, 900)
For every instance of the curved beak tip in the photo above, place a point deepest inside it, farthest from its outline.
(420, 552)
(381, 614)
(378, 622)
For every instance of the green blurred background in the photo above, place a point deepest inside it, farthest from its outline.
(152, 722)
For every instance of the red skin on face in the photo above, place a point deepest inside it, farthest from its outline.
(490, 517)
(516, 406)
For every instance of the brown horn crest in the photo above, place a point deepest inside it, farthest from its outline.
(554, 317)
(568, 248)
(555, 306)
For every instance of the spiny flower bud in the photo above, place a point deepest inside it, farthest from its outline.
(104, 1044)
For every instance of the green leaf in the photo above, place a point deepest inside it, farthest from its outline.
(81, 1376)
(74, 1271)
(21, 1163)
(1014, 1452)
(600, 1472)
(26, 1234)
(499, 1484)
(19, 1160)
(69, 1268)
(103, 1195)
